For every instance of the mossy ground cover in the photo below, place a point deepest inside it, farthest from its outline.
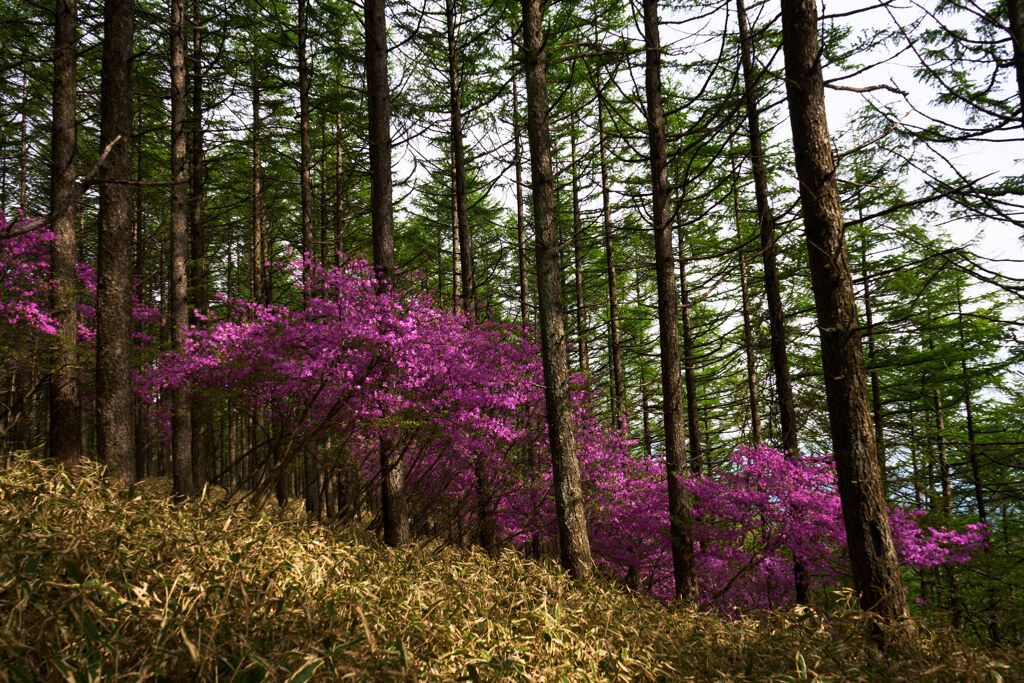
(98, 583)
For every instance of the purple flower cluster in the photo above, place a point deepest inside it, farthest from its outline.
(464, 404)
(25, 281)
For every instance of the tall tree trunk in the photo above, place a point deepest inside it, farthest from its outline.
(618, 388)
(310, 475)
(325, 239)
(114, 400)
(875, 570)
(524, 308)
(772, 281)
(485, 505)
(577, 250)
(683, 566)
(940, 438)
(1015, 9)
(645, 407)
(260, 276)
(339, 193)
(972, 444)
(748, 342)
(65, 399)
(198, 275)
(572, 527)
(393, 496)
(766, 225)
(138, 273)
(306, 191)
(915, 470)
(23, 156)
(283, 472)
(876, 388)
(689, 369)
(181, 416)
(469, 297)
(459, 165)
(456, 246)
(752, 373)
(972, 452)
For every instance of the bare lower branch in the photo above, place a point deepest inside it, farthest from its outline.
(87, 181)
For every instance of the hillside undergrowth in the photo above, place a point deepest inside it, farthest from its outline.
(98, 583)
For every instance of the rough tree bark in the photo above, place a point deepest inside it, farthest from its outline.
(393, 503)
(748, 341)
(766, 224)
(65, 397)
(875, 569)
(524, 307)
(114, 401)
(689, 369)
(181, 415)
(1015, 9)
(772, 282)
(577, 258)
(459, 165)
(198, 271)
(618, 388)
(574, 545)
(683, 567)
(310, 474)
(260, 276)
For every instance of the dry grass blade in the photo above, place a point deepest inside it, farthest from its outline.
(102, 584)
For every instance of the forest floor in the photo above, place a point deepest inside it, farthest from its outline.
(98, 583)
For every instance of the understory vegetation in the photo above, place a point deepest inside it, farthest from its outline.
(102, 583)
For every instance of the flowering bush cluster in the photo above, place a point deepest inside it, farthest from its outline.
(24, 281)
(772, 512)
(464, 405)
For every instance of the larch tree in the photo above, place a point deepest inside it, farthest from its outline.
(393, 494)
(1015, 10)
(198, 266)
(461, 204)
(574, 545)
(874, 566)
(181, 415)
(65, 393)
(771, 279)
(310, 473)
(114, 400)
(668, 313)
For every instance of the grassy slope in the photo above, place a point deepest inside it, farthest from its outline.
(101, 584)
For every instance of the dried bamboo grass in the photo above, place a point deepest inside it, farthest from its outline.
(104, 584)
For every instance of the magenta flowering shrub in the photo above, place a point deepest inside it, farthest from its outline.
(354, 366)
(756, 522)
(25, 287)
(463, 403)
(925, 547)
(25, 283)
